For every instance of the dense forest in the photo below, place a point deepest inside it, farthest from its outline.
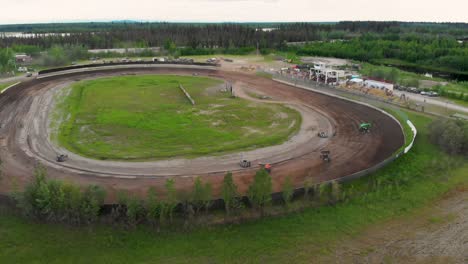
(113, 35)
(433, 46)
(437, 53)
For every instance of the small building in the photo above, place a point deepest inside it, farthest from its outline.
(23, 58)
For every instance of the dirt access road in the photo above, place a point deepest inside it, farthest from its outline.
(437, 101)
(21, 145)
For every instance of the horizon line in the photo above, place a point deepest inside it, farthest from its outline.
(209, 22)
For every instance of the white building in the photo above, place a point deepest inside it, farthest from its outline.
(325, 74)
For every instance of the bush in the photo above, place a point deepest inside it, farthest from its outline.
(288, 191)
(153, 207)
(169, 204)
(7, 61)
(201, 195)
(91, 203)
(335, 193)
(229, 193)
(450, 135)
(259, 192)
(55, 201)
(135, 211)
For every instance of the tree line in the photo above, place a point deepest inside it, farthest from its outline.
(55, 201)
(216, 35)
(444, 53)
(422, 45)
(7, 61)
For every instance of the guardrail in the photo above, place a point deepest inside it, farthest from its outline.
(13, 85)
(415, 132)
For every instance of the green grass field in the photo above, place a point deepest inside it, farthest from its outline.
(413, 181)
(149, 117)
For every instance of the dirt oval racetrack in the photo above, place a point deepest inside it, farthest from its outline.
(24, 139)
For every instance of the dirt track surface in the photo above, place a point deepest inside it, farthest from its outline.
(24, 139)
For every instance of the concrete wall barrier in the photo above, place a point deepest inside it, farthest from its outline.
(415, 132)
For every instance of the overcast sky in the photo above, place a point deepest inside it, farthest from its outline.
(27, 11)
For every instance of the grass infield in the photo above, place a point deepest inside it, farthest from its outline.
(149, 117)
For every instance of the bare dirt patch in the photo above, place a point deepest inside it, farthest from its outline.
(438, 234)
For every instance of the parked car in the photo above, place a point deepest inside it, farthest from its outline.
(400, 87)
(433, 94)
(413, 90)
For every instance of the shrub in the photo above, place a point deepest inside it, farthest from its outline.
(335, 192)
(187, 204)
(72, 199)
(135, 211)
(449, 135)
(55, 201)
(170, 202)
(259, 192)
(93, 198)
(230, 194)
(308, 188)
(201, 195)
(288, 191)
(153, 207)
